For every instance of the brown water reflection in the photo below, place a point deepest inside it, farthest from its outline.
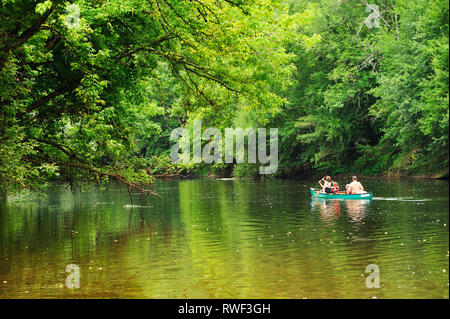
(228, 239)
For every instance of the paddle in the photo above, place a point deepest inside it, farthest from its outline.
(320, 185)
(318, 192)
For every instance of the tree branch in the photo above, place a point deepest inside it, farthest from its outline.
(63, 148)
(18, 41)
(68, 88)
(114, 176)
(165, 37)
(196, 69)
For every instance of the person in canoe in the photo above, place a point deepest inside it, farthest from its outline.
(335, 187)
(326, 183)
(355, 187)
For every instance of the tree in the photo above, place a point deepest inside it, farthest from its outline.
(78, 94)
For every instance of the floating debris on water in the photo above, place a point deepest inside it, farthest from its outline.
(137, 206)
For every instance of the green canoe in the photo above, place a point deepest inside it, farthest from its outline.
(341, 195)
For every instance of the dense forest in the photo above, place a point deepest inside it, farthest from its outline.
(90, 90)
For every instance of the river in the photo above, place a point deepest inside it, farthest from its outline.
(210, 238)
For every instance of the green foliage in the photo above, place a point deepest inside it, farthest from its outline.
(246, 170)
(369, 100)
(91, 91)
(412, 88)
(82, 99)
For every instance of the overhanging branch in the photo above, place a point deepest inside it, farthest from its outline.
(114, 176)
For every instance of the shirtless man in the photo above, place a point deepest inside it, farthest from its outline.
(355, 187)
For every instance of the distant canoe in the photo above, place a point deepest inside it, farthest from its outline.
(340, 195)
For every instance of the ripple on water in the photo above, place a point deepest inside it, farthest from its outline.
(231, 239)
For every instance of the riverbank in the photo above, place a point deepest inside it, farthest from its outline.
(306, 175)
(443, 175)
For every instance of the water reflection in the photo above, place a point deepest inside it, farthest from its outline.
(331, 209)
(226, 239)
(357, 210)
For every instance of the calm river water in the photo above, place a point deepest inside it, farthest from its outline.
(229, 239)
